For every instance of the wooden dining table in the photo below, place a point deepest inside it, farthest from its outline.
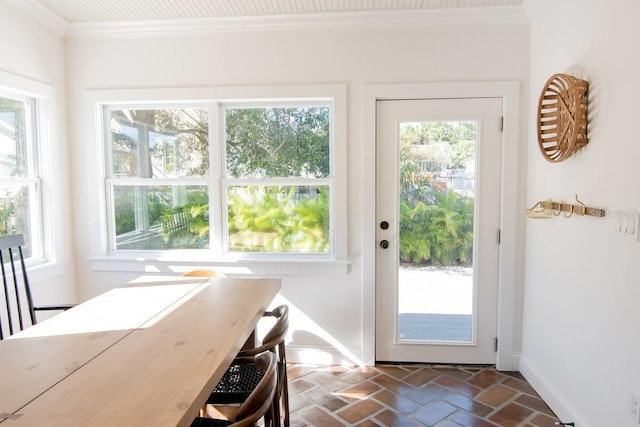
(147, 354)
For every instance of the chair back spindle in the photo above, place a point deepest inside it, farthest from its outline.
(14, 283)
(16, 289)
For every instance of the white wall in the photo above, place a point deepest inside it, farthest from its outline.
(30, 51)
(332, 304)
(582, 284)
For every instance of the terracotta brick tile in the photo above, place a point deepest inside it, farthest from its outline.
(421, 377)
(394, 371)
(299, 386)
(485, 378)
(460, 374)
(318, 417)
(298, 421)
(427, 394)
(360, 410)
(358, 375)
(434, 413)
(534, 403)
(496, 396)
(397, 402)
(392, 419)
(358, 391)
(326, 380)
(467, 420)
(519, 385)
(298, 401)
(326, 399)
(368, 423)
(447, 423)
(297, 371)
(468, 404)
(513, 374)
(455, 384)
(413, 396)
(393, 384)
(511, 415)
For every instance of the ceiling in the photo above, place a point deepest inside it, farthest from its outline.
(110, 11)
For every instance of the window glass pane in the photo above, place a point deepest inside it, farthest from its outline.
(13, 138)
(15, 208)
(162, 143)
(283, 142)
(278, 219)
(161, 217)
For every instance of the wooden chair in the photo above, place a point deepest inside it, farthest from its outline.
(260, 402)
(205, 272)
(16, 289)
(239, 381)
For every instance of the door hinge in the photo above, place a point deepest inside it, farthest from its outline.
(495, 347)
(499, 236)
(501, 123)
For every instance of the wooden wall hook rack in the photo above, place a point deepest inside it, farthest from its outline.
(546, 209)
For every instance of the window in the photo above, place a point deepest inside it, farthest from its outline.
(233, 178)
(20, 204)
(158, 177)
(277, 180)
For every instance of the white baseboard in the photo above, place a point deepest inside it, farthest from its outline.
(515, 362)
(545, 388)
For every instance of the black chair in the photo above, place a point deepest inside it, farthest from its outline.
(239, 381)
(259, 403)
(16, 290)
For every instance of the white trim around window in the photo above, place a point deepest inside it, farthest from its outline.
(43, 179)
(176, 261)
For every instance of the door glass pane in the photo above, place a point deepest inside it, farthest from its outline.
(437, 192)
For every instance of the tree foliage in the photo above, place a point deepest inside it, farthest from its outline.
(277, 142)
(437, 234)
(273, 143)
(436, 225)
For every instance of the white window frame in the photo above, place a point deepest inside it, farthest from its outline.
(40, 99)
(226, 182)
(103, 258)
(111, 181)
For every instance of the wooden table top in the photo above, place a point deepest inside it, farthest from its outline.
(141, 355)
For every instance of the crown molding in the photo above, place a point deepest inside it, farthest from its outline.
(42, 15)
(510, 15)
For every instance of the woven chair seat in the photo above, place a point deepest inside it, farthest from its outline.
(210, 422)
(241, 379)
(259, 404)
(236, 384)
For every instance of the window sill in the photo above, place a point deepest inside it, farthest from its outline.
(262, 267)
(45, 270)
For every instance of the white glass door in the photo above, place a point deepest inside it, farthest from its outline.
(438, 199)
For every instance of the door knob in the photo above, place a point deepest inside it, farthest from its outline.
(384, 244)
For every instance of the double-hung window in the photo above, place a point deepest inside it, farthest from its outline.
(233, 178)
(277, 180)
(158, 177)
(20, 198)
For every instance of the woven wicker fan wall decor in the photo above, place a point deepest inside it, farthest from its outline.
(562, 117)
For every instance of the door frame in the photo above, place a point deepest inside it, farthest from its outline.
(510, 271)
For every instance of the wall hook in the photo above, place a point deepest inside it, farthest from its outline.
(584, 207)
(570, 207)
